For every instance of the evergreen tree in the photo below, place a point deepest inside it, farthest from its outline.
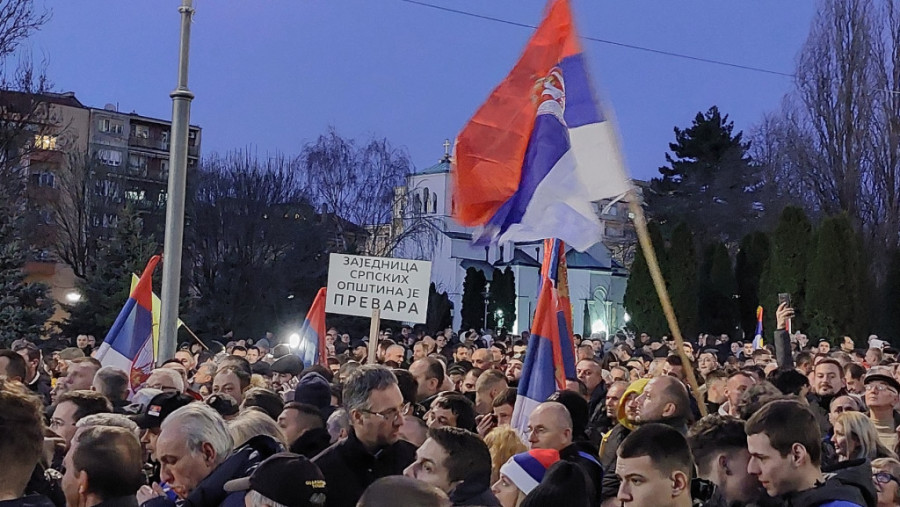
(718, 310)
(510, 296)
(502, 300)
(710, 181)
(24, 307)
(834, 291)
(439, 310)
(107, 286)
(681, 274)
(472, 311)
(641, 300)
(785, 271)
(748, 268)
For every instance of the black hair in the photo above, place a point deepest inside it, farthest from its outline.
(564, 483)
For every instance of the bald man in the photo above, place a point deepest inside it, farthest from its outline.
(550, 427)
(482, 358)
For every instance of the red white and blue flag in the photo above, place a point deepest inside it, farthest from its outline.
(758, 342)
(550, 357)
(539, 153)
(129, 343)
(312, 333)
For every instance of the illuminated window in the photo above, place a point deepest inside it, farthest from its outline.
(134, 195)
(45, 142)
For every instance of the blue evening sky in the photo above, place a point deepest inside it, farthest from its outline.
(272, 74)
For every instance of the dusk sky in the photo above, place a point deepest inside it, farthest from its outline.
(272, 75)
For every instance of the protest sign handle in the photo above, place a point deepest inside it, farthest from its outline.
(374, 328)
(194, 336)
(640, 224)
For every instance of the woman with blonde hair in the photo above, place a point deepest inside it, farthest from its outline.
(855, 437)
(886, 476)
(503, 442)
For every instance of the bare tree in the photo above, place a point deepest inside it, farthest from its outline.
(18, 20)
(364, 187)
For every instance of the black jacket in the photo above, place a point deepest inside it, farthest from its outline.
(349, 468)
(242, 462)
(474, 491)
(41, 387)
(585, 455)
(851, 482)
(28, 501)
(122, 501)
(311, 443)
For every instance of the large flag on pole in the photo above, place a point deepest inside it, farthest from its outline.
(312, 333)
(539, 153)
(550, 357)
(157, 305)
(129, 343)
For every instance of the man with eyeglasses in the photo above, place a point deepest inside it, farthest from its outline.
(373, 449)
(881, 397)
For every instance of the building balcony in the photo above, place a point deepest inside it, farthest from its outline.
(152, 142)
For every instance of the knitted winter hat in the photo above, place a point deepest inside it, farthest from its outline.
(526, 469)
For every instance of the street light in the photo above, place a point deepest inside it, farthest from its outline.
(626, 318)
(73, 297)
(294, 340)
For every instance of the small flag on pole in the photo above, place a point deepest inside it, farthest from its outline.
(539, 153)
(758, 341)
(312, 333)
(129, 343)
(550, 357)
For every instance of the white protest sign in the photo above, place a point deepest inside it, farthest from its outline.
(398, 287)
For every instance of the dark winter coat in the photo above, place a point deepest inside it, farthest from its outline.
(349, 465)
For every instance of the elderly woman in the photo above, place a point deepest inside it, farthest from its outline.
(521, 474)
(855, 437)
(886, 476)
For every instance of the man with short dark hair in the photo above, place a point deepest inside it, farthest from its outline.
(232, 381)
(826, 384)
(71, 407)
(451, 409)
(784, 441)
(37, 381)
(458, 463)
(304, 429)
(488, 386)
(103, 468)
(114, 384)
(503, 406)
(429, 375)
(13, 366)
(719, 446)
(373, 449)
(654, 467)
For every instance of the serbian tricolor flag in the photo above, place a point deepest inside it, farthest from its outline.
(758, 336)
(129, 343)
(312, 334)
(539, 152)
(550, 357)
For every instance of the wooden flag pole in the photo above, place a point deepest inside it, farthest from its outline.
(640, 224)
(374, 329)
(194, 336)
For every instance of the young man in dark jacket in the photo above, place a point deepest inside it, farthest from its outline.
(458, 463)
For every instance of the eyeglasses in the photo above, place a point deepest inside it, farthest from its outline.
(884, 478)
(880, 388)
(391, 414)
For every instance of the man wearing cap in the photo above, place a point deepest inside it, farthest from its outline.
(267, 485)
(881, 398)
(284, 370)
(373, 449)
(150, 420)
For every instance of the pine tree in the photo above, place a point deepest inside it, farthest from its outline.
(502, 300)
(681, 274)
(439, 314)
(641, 300)
(710, 181)
(24, 307)
(472, 311)
(106, 288)
(509, 298)
(718, 310)
(752, 256)
(834, 292)
(785, 271)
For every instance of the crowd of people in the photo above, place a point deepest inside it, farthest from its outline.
(427, 422)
